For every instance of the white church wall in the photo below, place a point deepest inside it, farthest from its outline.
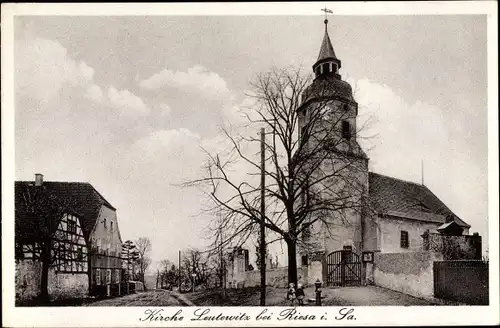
(390, 234)
(410, 272)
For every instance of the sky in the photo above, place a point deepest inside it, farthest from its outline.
(125, 102)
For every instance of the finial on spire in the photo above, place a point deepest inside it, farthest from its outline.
(327, 11)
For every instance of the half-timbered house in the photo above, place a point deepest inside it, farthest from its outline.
(79, 227)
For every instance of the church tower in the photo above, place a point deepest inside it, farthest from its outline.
(328, 108)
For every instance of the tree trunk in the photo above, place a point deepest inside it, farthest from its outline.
(45, 257)
(292, 261)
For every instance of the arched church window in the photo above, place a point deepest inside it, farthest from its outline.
(346, 130)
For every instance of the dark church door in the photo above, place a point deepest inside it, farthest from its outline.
(344, 268)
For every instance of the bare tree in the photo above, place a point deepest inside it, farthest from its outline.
(317, 173)
(196, 267)
(168, 274)
(217, 257)
(143, 246)
(42, 210)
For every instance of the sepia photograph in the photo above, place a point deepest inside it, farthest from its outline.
(226, 167)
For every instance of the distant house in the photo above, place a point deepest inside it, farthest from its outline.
(85, 241)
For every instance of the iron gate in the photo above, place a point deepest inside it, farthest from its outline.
(344, 268)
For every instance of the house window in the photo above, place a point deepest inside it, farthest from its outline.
(117, 275)
(72, 226)
(346, 130)
(97, 276)
(111, 226)
(105, 225)
(405, 243)
(108, 276)
(79, 253)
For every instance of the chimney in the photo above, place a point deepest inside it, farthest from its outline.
(38, 179)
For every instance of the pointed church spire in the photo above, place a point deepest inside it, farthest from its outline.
(326, 50)
(327, 63)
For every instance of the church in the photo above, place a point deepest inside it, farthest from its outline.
(385, 215)
(400, 213)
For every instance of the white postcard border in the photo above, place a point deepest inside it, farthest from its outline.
(129, 317)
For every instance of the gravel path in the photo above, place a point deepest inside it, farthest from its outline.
(344, 296)
(369, 295)
(149, 298)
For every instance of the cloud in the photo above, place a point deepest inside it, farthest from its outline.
(208, 84)
(165, 109)
(166, 155)
(43, 69)
(94, 92)
(410, 132)
(402, 135)
(127, 102)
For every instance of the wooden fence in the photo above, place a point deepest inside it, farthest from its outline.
(462, 281)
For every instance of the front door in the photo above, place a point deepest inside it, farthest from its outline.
(344, 268)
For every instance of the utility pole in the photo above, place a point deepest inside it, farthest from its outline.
(262, 248)
(221, 254)
(179, 272)
(422, 169)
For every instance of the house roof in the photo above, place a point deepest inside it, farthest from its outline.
(404, 199)
(446, 226)
(86, 199)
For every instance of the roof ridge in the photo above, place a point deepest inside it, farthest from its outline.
(104, 200)
(398, 179)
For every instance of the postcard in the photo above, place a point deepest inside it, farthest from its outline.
(240, 164)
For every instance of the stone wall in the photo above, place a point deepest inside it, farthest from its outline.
(68, 285)
(277, 277)
(410, 273)
(463, 247)
(237, 267)
(28, 279)
(60, 285)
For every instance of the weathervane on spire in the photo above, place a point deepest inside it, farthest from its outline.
(327, 11)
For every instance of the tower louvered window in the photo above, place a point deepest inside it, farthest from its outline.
(346, 130)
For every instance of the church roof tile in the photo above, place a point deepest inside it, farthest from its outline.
(399, 198)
